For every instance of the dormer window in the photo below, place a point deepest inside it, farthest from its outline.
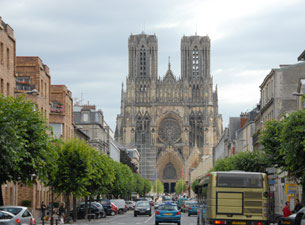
(195, 62)
(85, 116)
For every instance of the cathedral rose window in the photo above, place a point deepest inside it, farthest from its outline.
(169, 172)
(169, 130)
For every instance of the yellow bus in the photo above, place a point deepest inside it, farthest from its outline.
(237, 198)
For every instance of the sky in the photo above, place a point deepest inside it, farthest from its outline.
(85, 42)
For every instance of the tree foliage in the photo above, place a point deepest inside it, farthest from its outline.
(180, 186)
(284, 143)
(158, 187)
(147, 186)
(247, 161)
(24, 142)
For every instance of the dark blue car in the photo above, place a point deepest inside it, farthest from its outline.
(107, 207)
(168, 213)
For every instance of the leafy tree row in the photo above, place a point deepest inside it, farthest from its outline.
(71, 168)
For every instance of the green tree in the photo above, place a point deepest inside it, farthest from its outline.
(158, 187)
(139, 184)
(180, 186)
(147, 186)
(74, 168)
(194, 185)
(293, 147)
(123, 183)
(270, 139)
(247, 161)
(24, 142)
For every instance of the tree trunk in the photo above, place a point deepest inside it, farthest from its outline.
(86, 207)
(1, 196)
(74, 209)
(67, 206)
(303, 193)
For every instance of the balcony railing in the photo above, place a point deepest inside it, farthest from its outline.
(57, 108)
(24, 86)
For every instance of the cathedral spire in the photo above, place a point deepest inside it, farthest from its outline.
(169, 63)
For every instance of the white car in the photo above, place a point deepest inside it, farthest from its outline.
(21, 213)
(130, 204)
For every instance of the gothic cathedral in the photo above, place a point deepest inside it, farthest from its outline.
(172, 121)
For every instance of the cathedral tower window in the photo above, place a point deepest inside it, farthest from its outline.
(195, 62)
(142, 62)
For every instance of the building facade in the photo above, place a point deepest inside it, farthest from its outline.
(61, 112)
(171, 121)
(7, 59)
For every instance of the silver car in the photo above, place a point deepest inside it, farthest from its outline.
(21, 214)
(7, 218)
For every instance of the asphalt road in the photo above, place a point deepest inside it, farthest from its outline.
(129, 219)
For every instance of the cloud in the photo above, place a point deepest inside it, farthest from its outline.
(85, 42)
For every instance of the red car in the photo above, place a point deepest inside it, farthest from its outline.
(114, 208)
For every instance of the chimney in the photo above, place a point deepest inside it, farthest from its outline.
(243, 119)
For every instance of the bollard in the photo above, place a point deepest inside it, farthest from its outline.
(42, 221)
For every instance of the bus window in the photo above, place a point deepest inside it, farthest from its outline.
(239, 180)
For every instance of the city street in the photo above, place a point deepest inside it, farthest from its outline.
(129, 219)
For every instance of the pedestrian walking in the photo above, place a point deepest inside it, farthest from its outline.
(61, 212)
(43, 210)
(298, 206)
(286, 210)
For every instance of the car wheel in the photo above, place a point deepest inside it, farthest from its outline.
(156, 223)
(135, 215)
(178, 223)
(189, 214)
(120, 211)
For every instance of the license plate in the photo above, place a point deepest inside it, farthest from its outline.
(239, 222)
(286, 222)
(168, 214)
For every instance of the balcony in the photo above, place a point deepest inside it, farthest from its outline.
(57, 107)
(24, 86)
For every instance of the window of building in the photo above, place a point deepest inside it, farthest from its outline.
(85, 117)
(1, 53)
(143, 62)
(8, 89)
(8, 57)
(195, 62)
(23, 83)
(2, 87)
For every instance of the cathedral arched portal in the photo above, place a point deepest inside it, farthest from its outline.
(169, 168)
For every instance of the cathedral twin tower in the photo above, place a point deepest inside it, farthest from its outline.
(171, 121)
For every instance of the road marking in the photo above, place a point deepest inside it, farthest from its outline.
(149, 218)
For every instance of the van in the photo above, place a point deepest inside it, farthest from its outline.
(121, 204)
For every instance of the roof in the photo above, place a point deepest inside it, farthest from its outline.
(302, 56)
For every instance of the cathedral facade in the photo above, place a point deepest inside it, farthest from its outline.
(172, 121)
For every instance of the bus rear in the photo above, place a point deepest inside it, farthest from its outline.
(237, 198)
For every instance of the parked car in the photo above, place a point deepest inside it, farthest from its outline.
(95, 208)
(7, 218)
(168, 213)
(130, 204)
(21, 213)
(293, 219)
(192, 209)
(142, 208)
(121, 204)
(114, 208)
(107, 207)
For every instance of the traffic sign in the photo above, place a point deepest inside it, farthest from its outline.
(272, 177)
(271, 181)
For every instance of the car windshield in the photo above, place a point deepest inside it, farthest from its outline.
(142, 203)
(168, 207)
(14, 211)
